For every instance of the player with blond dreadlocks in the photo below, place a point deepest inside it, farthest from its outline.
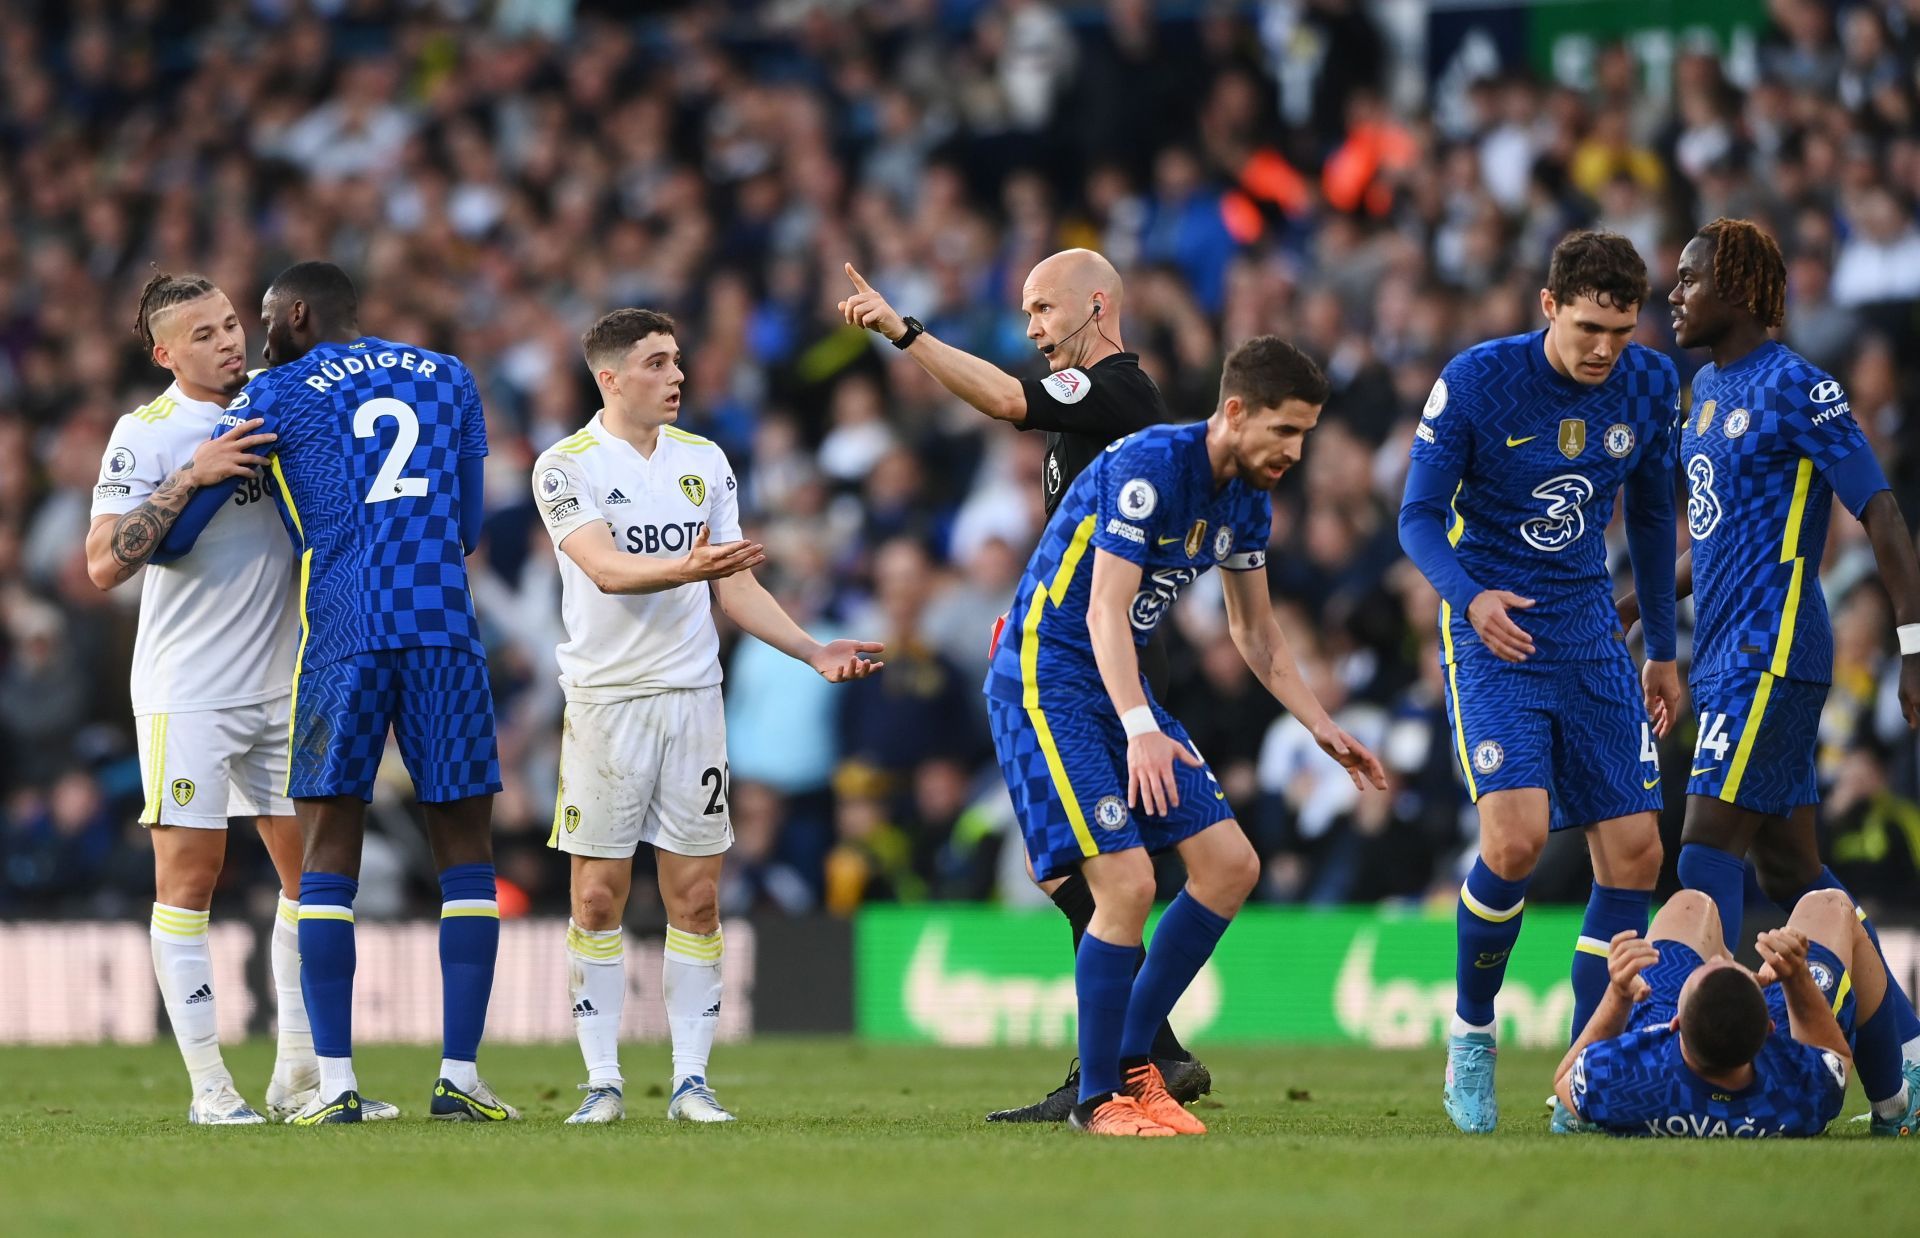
(1767, 443)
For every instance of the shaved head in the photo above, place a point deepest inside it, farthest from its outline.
(1074, 275)
(1065, 294)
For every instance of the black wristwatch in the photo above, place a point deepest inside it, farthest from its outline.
(914, 331)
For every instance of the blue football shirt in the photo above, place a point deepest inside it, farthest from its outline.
(371, 435)
(1541, 458)
(1763, 442)
(1150, 499)
(1639, 1084)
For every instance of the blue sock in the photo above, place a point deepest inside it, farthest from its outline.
(1183, 941)
(1906, 1023)
(1103, 979)
(1609, 910)
(1876, 1053)
(1488, 923)
(469, 940)
(1722, 878)
(327, 960)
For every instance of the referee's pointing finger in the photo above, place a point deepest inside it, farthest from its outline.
(858, 281)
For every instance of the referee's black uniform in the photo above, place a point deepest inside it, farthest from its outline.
(1081, 412)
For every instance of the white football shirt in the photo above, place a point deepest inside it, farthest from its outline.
(621, 646)
(216, 626)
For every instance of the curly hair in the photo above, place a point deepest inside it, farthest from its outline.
(163, 292)
(1748, 269)
(1601, 265)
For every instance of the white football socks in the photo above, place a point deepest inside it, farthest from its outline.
(293, 1063)
(691, 978)
(336, 1076)
(1892, 1107)
(597, 988)
(184, 967)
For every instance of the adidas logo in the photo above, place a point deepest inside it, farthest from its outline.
(713, 1011)
(616, 497)
(583, 1008)
(202, 994)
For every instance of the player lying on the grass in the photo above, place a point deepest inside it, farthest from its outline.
(1768, 444)
(645, 515)
(1520, 451)
(1100, 774)
(1688, 1043)
(380, 457)
(212, 727)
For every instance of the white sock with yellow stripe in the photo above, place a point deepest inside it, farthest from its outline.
(597, 987)
(184, 967)
(294, 1062)
(691, 978)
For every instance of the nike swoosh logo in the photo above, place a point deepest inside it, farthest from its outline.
(1702, 772)
(1515, 442)
(1651, 783)
(1168, 541)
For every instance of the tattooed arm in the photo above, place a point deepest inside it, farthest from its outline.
(118, 546)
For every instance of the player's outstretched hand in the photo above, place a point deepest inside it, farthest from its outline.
(839, 661)
(707, 561)
(1360, 763)
(230, 455)
(1150, 758)
(1629, 954)
(867, 308)
(1661, 680)
(1783, 954)
(1498, 632)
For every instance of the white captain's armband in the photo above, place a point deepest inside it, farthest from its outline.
(1252, 560)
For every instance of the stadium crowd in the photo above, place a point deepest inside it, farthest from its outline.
(495, 175)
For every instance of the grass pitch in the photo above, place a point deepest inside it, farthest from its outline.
(839, 1138)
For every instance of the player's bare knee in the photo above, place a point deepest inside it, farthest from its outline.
(1636, 864)
(1511, 856)
(1226, 880)
(596, 907)
(1823, 907)
(695, 906)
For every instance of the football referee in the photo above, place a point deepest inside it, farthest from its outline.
(1094, 393)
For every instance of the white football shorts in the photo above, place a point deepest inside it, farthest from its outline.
(648, 770)
(201, 767)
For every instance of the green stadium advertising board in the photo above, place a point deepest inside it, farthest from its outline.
(981, 976)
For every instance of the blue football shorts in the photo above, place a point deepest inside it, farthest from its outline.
(1577, 729)
(438, 703)
(1759, 739)
(1066, 768)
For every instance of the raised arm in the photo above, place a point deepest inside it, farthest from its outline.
(980, 383)
(1810, 1020)
(1628, 955)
